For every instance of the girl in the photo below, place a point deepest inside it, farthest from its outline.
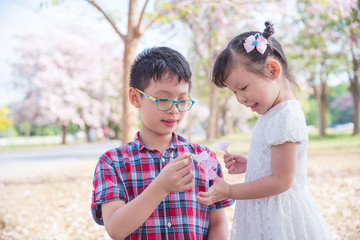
(275, 201)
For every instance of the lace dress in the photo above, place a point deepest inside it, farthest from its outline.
(293, 214)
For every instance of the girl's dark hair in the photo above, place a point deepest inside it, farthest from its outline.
(154, 63)
(254, 61)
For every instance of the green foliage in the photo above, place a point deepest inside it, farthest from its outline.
(311, 112)
(4, 121)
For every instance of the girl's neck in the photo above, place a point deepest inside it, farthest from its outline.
(285, 93)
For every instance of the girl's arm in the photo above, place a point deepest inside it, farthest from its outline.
(283, 164)
(218, 226)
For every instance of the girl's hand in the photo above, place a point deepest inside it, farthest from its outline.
(176, 176)
(217, 192)
(235, 164)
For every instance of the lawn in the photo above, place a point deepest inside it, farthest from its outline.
(54, 202)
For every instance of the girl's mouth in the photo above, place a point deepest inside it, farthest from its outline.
(254, 107)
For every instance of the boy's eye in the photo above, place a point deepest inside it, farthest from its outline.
(244, 88)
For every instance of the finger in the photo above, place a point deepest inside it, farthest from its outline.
(204, 201)
(183, 171)
(230, 164)
(184, 163)
(188, 186)
(179, 158)
(228, 158)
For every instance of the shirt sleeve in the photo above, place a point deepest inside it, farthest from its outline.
(286, 126)
(108, 185)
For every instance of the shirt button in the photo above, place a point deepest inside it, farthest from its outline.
(163, 160)
(169, 224)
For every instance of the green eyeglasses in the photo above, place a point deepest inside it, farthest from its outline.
(165, 104)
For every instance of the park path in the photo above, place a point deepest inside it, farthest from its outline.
(26, 163)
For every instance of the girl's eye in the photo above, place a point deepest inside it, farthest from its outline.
(244, 88)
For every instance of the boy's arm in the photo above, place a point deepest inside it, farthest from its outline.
(218, 226)
(121, 219)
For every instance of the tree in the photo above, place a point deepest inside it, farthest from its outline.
(319, 53)
(4, 121)
(64, 82)
(213, 24)
(137, 25)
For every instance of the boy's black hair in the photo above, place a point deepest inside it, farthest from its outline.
(154, 63)
(254, 61)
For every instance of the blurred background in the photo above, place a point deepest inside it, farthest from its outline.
(64, 73)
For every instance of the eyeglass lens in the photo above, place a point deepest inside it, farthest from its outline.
(165, 104)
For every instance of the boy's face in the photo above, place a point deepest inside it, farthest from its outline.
(155, 122)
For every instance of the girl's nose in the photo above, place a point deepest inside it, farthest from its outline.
(241, 99)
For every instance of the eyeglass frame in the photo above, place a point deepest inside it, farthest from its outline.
(156, 100)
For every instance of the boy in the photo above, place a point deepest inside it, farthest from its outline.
(147, 188)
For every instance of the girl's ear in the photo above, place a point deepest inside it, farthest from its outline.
(275, 69)
(134, 97)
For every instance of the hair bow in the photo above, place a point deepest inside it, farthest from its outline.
(255, 41)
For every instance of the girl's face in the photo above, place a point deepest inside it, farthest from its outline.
(256, 91)
(158, 123)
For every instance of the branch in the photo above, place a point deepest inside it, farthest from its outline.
(108, 18)
(141, 16)
(232, 3)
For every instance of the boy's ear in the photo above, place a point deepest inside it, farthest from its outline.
(134, 97)
(275, 69)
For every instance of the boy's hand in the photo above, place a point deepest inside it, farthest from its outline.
(217, 192)
(235, 164)
(177, 175)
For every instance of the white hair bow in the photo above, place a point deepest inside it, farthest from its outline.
(255, 41)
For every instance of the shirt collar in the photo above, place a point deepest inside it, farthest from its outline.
(176, 141)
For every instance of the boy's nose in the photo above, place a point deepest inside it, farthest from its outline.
(174, 108)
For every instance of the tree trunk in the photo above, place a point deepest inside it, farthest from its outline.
(65, 129)
(323, 106)
(355, 91)
(212, 123)
(130, 114)
(189, 126)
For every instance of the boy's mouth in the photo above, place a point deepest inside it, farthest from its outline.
(169, 123)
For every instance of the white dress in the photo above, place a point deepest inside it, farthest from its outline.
(293, 214)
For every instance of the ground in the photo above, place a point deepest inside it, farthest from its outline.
(54, 202)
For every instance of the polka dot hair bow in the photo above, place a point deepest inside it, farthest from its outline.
(255, 41)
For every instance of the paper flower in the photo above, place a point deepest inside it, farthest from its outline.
(207, 164)
(222, 145)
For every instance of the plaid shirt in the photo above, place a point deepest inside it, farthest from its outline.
(124, 173)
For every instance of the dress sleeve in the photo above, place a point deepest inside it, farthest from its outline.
(108, 185)
(285, 126)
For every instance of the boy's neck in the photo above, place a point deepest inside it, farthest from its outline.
(156, 141)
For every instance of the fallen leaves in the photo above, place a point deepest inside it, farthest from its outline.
(57, 205)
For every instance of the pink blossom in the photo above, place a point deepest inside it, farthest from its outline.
(222, 145)
(207, 164)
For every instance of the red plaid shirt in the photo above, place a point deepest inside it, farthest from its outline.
(123, 174)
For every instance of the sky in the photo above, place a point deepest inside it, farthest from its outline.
(25, 16)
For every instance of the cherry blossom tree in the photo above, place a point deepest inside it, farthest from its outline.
(213, 24)
(138, 22)
(64, 81)
(320, 48)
